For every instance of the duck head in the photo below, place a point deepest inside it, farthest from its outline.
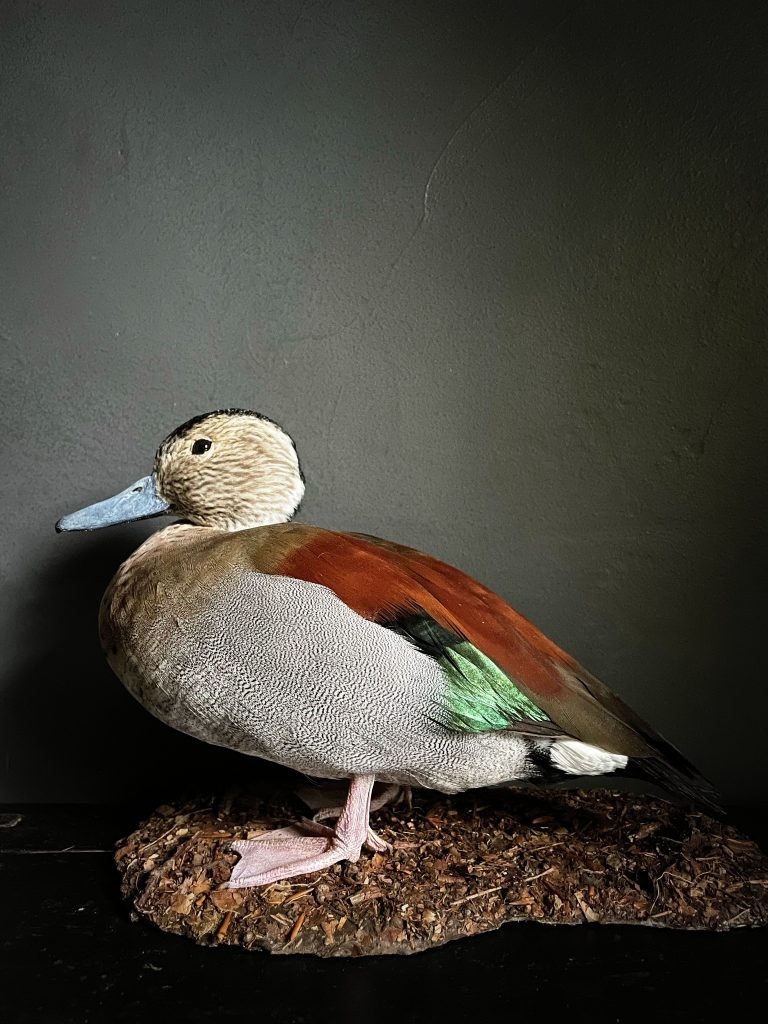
(230, 470)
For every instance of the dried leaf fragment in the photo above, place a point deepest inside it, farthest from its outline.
(182, 902)
(227, 899)
(585, 908)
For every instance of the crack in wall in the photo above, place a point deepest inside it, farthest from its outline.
(426, 206)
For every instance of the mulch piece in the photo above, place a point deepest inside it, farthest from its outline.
(460, 866)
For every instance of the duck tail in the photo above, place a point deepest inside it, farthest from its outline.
(678, 778)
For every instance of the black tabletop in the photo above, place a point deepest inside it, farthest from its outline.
(70, 952)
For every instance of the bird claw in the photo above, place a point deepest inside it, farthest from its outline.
(373, 841)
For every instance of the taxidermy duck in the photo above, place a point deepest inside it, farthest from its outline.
(340, 655)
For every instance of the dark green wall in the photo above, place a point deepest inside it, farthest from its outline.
(500, 269)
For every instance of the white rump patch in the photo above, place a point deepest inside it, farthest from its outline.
(577, 758)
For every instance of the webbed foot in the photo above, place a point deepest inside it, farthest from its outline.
(286, 853)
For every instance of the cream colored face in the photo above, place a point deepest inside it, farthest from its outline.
(230, 470)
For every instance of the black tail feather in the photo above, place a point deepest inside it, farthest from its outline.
(681, 780)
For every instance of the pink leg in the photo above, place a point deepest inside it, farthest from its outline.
(386, 796)
(280, 855)
(373, 841)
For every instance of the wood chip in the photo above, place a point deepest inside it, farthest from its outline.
(297, 927)
(223, 928)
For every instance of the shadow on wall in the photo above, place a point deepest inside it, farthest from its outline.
(77, 733)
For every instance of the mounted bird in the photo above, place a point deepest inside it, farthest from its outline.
(340, 655)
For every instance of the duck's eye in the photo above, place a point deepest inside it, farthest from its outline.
(202, 444)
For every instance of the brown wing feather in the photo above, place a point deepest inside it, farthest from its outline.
(381, 580)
